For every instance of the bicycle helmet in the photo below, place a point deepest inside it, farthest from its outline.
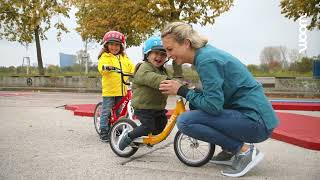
(153, 44)
(114, 36)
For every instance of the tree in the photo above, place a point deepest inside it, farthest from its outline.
(294, 9)
(303, 65)
(278, 55)
(269, 55)
(53, 69)
(29, 20)
(139, 19)
(252, 68)
(274, 66)
(294, 55)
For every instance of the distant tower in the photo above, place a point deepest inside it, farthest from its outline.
(26, 59)
(26, 62)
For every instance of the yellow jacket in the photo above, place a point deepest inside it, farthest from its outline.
(111, 81)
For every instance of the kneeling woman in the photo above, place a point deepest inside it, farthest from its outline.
(232, 109)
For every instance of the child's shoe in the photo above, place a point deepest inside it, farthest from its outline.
(104, 135)
(124, 140)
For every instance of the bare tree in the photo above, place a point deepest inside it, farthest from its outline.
(294, 55)
(269, 55)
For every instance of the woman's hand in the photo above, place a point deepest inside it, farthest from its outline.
(169, 87)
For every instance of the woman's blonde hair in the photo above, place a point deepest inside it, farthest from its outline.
(181, 31)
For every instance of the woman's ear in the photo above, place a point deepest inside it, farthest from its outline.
(187, 42)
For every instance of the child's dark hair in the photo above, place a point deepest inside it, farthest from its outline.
(105, 49)
(145, 57)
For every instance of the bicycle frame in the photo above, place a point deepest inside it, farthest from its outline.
(190, 151)
(125, 103)
(151, 140)
(123, 106)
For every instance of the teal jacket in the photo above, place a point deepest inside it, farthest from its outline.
(145, 88)
(227, 84)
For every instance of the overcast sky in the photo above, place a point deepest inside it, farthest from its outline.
(243, 31)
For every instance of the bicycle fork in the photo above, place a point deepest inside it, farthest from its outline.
(150, 139)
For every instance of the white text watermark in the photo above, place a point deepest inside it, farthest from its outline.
(303, 33)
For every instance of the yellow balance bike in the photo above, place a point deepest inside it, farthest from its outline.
(190, 151)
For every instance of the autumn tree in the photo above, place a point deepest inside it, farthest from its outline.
(28, 20)
(294, 9)
(138, 19)
(270, 55)
(279, 56)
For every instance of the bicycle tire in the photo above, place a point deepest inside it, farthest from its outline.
(96, 117)
(194, 145)
(114, 134)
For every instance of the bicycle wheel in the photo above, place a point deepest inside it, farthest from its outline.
(96, 117)
(192, 152)
(116, 130)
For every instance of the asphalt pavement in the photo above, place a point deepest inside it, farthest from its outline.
(39, 139)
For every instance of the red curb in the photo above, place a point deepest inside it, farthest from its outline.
(296, 106)
(81, 109)
(300, 130)
(87, 109)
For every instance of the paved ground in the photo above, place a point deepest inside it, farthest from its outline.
(40, 141)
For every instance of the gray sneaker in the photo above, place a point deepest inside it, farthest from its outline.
(244, 162)
(224, 158)
(124, 140)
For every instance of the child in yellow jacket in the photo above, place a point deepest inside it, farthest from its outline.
(113, 89)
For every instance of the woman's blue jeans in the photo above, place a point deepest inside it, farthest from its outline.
(230, 129)
(107, 103)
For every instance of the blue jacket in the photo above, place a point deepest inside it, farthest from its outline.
(227, 84)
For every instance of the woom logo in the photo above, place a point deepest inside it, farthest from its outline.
(303, 33)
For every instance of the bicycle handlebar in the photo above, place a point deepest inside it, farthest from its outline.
(117, 70)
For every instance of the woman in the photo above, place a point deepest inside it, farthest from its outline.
(231, 109)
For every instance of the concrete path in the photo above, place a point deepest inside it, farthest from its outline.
(40, 141)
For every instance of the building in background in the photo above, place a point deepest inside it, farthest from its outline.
(67, 59)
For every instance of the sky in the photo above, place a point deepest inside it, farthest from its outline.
(243, 31)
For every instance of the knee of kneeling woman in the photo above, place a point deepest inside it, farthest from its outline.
(182, 122)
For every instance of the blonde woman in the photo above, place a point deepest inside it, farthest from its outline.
(231, 109)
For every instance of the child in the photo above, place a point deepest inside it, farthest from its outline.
(148, 102)
(113, 89)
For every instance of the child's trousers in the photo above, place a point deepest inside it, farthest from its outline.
(152, 121)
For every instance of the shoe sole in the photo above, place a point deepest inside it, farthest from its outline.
(105, 141)
(120, 137)
(253, 163)
(227, 163)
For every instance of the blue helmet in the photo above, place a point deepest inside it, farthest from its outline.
(151, 44)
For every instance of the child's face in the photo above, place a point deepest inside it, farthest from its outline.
(157, 58)
(114, 47)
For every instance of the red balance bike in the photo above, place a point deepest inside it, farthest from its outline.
(121, 109)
